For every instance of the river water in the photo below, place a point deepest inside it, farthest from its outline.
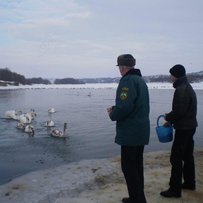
(90, 131)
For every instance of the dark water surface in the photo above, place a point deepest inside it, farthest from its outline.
(90, 131)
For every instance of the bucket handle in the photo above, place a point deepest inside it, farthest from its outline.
(161, 116)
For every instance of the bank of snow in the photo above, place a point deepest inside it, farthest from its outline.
(97, 181)
(156, 85)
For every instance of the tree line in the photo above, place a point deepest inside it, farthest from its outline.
(7, 75)
(14, 78)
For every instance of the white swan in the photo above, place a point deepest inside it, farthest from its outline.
(20, 126)
(32, 113)
(30, 129)
(25, 118)
(51, 110)
(59, 133)
(12, 114)
(49, 123)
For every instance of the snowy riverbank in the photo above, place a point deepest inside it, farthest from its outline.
(157, 85)
(97, 181)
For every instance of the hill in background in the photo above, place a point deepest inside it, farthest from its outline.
(7, 77)
(192, 77)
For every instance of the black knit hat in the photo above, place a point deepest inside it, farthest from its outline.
(177, 71)
(126, 60)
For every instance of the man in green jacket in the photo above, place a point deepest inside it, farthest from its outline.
(183, 118)
(131, 113)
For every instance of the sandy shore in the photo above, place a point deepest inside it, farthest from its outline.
(97, 181)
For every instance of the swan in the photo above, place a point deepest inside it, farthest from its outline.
(51, 110)
(25, 118)
(49, 123)
(12, 114)
(32, 113)
(29, 129)
(20, 126)
(59, 133)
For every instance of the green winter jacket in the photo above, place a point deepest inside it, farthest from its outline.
(131, 110)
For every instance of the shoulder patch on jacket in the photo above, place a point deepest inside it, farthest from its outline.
(125, 88)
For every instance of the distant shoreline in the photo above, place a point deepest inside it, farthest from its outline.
(154, 85)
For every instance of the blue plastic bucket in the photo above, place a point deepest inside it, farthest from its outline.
(165, 134)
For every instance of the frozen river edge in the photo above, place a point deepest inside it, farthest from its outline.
(152, 85)
(97, 181)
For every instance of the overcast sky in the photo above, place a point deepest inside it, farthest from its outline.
(82, 38)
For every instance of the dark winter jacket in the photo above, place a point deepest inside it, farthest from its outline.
(184, 106)
(131, 111)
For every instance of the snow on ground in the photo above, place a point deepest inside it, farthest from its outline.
(98, 181)
(156, 85)
(67, 86)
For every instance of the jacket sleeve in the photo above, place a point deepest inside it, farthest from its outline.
(125, 97)
(180, 105)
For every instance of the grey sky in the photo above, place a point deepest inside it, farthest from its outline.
(82, 38)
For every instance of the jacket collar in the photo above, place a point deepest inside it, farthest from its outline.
(180, 81)
(133, 71)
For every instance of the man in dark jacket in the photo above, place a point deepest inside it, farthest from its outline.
(183, 118)
(131, 113)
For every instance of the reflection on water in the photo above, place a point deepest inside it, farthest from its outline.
(90, 131)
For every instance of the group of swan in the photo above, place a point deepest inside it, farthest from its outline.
(25, 120)
(55, 132)
(22, 117)
(50, 123)
(28, 128)
(12, 114)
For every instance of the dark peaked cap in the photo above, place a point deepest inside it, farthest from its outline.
(126, 60)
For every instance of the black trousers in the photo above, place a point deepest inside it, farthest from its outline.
(132, 168)
(182, 160)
